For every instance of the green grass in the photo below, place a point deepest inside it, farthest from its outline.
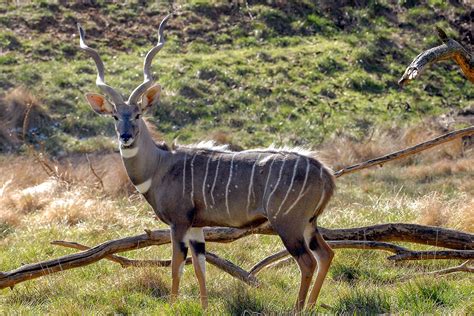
(290, 75)
(359, 282)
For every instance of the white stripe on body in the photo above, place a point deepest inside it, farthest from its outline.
(143, 187)
(300, 195)
(277, 183)
(204, 182)
(291, 186)
(192, 178)
(228, 184)
(251, 182)
(321, 199)
(128, 152)
(184, 173)
(269, 174)
(214, 183)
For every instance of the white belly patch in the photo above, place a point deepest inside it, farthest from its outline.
(144, 187)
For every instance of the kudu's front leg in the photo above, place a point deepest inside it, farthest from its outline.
(180, 251)
(198, 252)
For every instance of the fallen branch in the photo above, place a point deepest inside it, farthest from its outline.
(123, 261)
(464, 267)
(215, 260)
(433, 254)
(407, 151)
(357, 237)
(401, 253)
(450, 49)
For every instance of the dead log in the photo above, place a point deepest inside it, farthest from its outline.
(215, 260)
(427, 235)
(450, 49)
(401, 253)
(123, 261)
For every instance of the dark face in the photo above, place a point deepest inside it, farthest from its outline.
(127, 123)
(127, 117)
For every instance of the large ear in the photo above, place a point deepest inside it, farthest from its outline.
(151, 97)
(99, 104)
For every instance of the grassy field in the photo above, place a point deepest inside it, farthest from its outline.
(288, 73)
(436, 191)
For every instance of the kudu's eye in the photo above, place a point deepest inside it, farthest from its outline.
(115, 117)
(137, 116)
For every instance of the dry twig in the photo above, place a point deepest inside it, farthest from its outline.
(99, 179)
(464, 267)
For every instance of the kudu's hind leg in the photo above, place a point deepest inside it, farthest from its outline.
(296, 246)
(180, 251)
(324, 255)
(198, 252)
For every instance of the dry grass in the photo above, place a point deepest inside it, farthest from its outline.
(69, 197)
(20, 112)
(436, 211)
(343, 150)
(71, 194)
(442, 167)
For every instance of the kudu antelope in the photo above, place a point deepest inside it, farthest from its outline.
(191, 187)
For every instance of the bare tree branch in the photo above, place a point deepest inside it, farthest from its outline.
(464, 267)
(401, 253)
(215, 260)
(433, 254)
(450, 49)
(407, 151)
(123, 261)
(359, 237)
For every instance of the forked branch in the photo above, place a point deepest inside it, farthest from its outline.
(450, 49)
(352, 237)
(401, 253)
(215, 260)
(464, 267)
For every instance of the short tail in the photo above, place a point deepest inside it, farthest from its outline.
(329, 185)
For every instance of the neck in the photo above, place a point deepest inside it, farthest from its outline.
(141, 159)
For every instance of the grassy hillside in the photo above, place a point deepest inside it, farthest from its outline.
(288, 73)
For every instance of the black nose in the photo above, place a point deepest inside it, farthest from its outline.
(125, 137)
